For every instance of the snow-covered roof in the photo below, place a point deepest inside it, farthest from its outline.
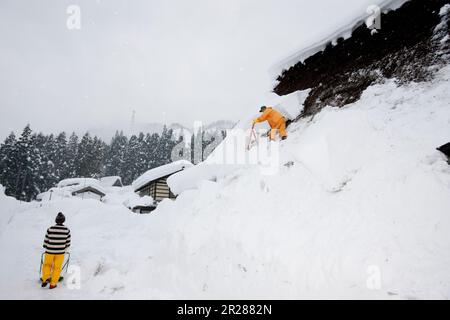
(159, 172)
(77, 181)
(94, 189)
(75, 185)
(334, 33)
(110, 181)
(69, 191)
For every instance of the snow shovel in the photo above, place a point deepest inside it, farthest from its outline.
(64, 266)
(253, 138)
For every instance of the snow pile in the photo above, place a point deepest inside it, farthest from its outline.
(160, 172)
(357, 209)
(361, 194)
(8, 206)
(194, 177)
(136, 200)
(5, 200)
(232, 155)
(119, 195)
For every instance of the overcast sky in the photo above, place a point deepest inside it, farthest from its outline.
(170, 60)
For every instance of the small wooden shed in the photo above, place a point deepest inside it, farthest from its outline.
(89, 192)
(153, 183)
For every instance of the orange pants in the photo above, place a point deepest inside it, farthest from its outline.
(281, 127)
(52, 261)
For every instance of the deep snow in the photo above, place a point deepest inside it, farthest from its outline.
(365, 196)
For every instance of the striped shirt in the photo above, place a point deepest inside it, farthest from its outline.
(57, 239)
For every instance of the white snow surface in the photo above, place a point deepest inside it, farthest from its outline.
(138, 201)
(362, 211)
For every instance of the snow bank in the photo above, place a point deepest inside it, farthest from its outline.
(193, 177)
(136, 200)
(8, 205)
(232, 155)
(119, 195)
(367, 191)
(365, 195)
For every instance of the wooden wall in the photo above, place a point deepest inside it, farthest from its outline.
(157, 189)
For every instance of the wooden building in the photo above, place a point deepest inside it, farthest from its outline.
(85, 188)
(89, 192)
(153, 183)
(157, 189)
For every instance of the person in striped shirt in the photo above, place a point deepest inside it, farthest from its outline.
(56, 243)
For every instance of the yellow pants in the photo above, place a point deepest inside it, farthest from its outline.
(280, 126)
(52, 261)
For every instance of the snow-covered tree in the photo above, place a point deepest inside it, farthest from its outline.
(90, 156)
(46, 175)
(70, 159)
(8, 163)
(26, 182)
(130, 168)
(115, 155)
(59, 157)
(164, 147)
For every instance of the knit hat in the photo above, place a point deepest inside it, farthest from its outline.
(60, 218)
(262, 109)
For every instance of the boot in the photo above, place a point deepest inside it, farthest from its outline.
(52, 286)
(45, 283)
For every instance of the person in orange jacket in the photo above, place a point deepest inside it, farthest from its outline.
(276, 121)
